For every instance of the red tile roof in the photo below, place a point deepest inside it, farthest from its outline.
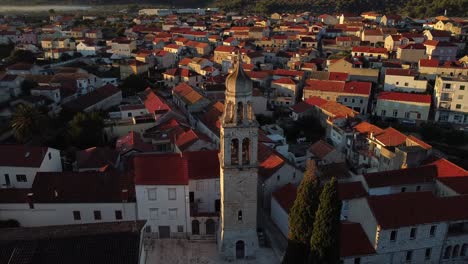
(82, 187)
(286, 196)
(405, 97)
(419, 175)
(391, 137)
(229, 49)
(21, 156)
(338, 76)
(284, 80)
(401, 72)
(269, 161)
(413, 46)
(153, 103)
(367, 49)
(132, 141)
(320, 149)
(351, 190)
(417, 208)
(367, 128)
(354, 241)
(458, 184)
(446, 169)
(160, 169)
(175, 168)
(428, 63)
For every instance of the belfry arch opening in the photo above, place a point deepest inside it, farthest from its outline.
(240, 111)
(235, 152)
(246, 151)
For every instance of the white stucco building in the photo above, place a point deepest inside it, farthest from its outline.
(19, 164)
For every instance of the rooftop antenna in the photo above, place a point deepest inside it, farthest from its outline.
(445, 12)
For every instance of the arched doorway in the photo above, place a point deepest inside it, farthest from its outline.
(210, 227)
(195, 227)
(240, 249)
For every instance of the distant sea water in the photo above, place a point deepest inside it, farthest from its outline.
(42, 8)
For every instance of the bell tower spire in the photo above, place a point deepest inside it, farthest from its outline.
(238, 168)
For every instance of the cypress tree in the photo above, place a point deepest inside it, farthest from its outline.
(325, 240)
(301, 216)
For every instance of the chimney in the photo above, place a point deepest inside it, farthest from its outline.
(124, 195)
(30, 200)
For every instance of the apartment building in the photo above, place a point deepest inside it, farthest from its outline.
(450, 99)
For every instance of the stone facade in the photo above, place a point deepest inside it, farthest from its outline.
(238, 161)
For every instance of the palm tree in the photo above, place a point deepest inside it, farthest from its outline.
(26, 122)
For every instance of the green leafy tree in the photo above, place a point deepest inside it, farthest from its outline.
(302, 216)
(86, 129)
(28, 123)
(133, 84)
(325, 240)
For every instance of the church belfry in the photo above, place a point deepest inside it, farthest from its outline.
(238, 168)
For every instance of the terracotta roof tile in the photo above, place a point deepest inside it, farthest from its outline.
(351, 190)
(417, 208)
(320, 149)
(405, 97)
(286, 196)
(21, 156)
(354, 241)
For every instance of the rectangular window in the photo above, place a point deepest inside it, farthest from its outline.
(413, 233)
(76, 215)
(460, 97)
(154, 213)
(383, 113)
(406, 84)
(397, 83)
(173, 214)
(346, 100)
(447, 86)
(458, 106)
(97, 215)
(462, 87)
(427, 255)
(407, 115)
(21, 178)
(357, 261)
(432, 231)
(393, 235)
(395, 113)
(152, 194)
(118, 215)
(180, 228)
(409, 255)
(50, 156)
(172, 193)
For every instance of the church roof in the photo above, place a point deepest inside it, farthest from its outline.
(238, 82)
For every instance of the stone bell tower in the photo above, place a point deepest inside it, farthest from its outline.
(238, 169)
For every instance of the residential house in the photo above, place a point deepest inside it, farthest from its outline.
(432, 68)
(19, 164)
(69, 198)
(442, 51)
(354, 95)
(10, 86)
(285, 91)
(123, 47)
(133, 67)
(450, 99)
(373, 36)
(411, 53)
(370, 52)
(404, 80)
(403, 106)
(354, 71)
(188, 98)
(102, 98)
